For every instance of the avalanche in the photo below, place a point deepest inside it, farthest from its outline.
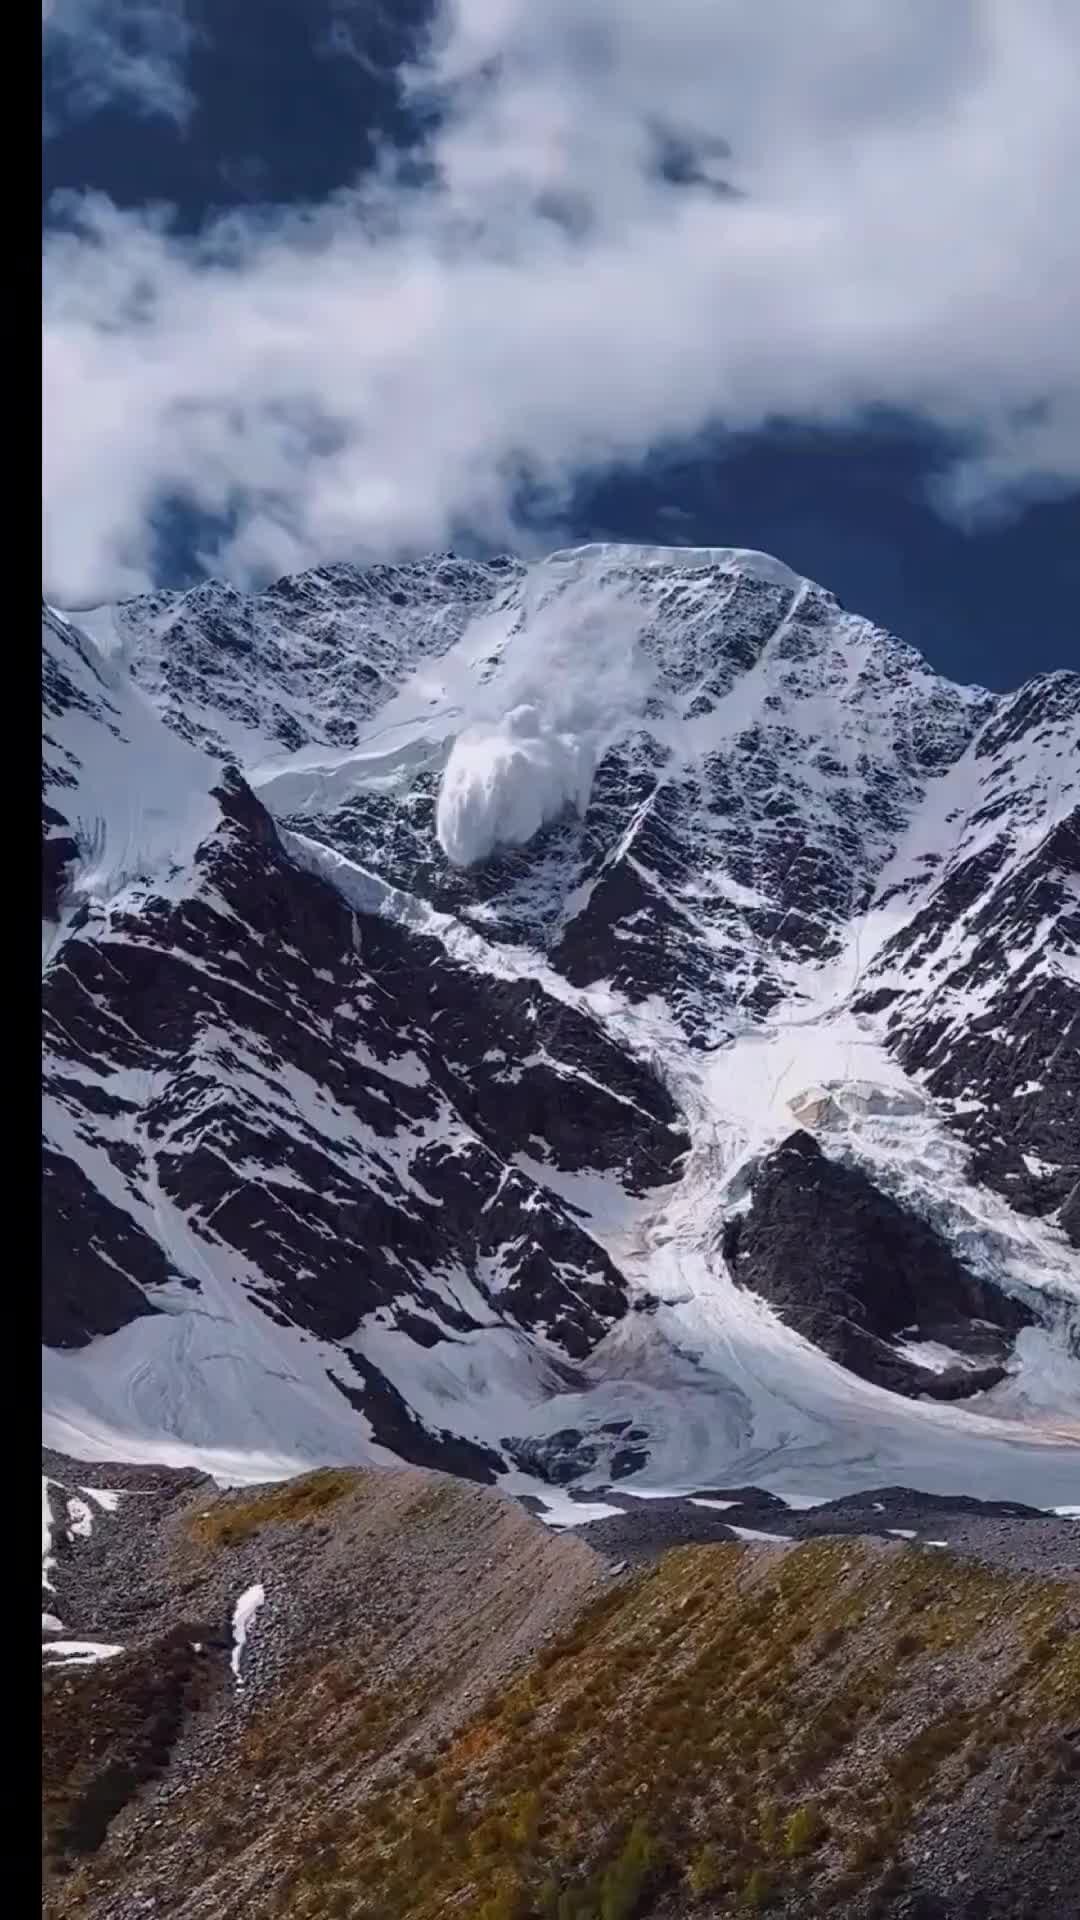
(502, 783)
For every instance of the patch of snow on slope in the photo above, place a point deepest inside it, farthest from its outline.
(243, 1615)
(560, 1510)
(597, 1196)
(136, 798)
(79, 1653)
(755, 1534)
(47, 1561)
(217, 1387)
(935, 1357)
(104, 1497)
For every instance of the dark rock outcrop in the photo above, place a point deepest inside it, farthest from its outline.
(95, 1260)
(853, 1271)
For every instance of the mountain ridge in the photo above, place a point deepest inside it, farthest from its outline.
(387, 1692)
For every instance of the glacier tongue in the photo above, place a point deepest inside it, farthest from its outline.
(401, 1086)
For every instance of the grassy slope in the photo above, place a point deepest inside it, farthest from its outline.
(734, 1729)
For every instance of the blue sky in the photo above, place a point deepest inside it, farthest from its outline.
(593, 269)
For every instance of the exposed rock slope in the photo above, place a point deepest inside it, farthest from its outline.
(871, 1284)
(434, 1705)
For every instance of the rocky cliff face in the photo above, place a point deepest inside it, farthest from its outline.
(868, 1282)
(434, 959)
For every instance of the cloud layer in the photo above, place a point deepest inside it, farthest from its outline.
(128, 53)
(629, 223)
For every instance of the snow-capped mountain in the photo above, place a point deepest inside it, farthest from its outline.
(615, 1017)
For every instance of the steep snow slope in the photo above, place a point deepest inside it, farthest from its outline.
(417, 1121)
(124, 801)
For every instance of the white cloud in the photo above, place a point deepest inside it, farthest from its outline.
(375, 374)
(127, 52)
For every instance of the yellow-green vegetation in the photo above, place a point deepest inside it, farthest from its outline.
(804, 1829)
(287, 1503)
(720, 1730)
(758, 1890)
(705, 1728)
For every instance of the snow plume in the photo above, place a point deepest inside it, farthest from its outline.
(572, 676)
(503, 782)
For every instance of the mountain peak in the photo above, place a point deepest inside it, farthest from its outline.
(604, 554)
(437, 952)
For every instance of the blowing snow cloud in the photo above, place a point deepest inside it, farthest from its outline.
(572, 676)
(503, 782)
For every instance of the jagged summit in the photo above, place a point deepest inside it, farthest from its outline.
(435, 954)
